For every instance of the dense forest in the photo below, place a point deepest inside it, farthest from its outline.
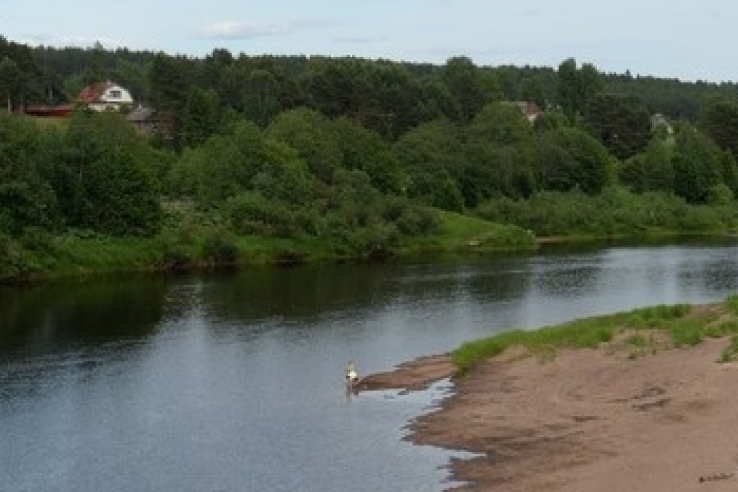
(360, 155)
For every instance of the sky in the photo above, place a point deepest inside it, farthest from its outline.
(685, 39)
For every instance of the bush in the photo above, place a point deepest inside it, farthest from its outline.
(220, 248)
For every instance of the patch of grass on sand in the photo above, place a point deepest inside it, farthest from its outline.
(730, 353)
(642, 330)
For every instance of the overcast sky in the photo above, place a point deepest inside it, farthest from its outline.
(685, 39)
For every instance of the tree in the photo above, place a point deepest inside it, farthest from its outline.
(658, 172)
(106, 181)
(466, 85)
(240, 160)
(168, 82)
(720, 122)
(570, 159)
(622, 123)
(433, 156)
(201, 116)
(367, 151)
(577, 86)
(499, 123)
(497, 157)
(697, 165)
(10, 80)
(26, 196)
(261, 97)
(436, 101)
(312, 136)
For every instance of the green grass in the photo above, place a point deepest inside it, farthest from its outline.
(463, 233)
(730, 353)
(674, 321)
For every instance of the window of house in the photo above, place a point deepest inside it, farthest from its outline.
(115, 94)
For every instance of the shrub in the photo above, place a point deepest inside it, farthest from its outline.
(220, 247)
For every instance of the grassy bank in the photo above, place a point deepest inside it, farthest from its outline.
(638, 332)
(40, 255)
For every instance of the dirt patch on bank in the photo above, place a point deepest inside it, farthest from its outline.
(587, 420)
(413, 375)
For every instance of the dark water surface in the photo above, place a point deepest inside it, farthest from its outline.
(233, 382)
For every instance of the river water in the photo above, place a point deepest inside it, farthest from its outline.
(234, 381)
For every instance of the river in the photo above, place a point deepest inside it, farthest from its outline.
(234, 381)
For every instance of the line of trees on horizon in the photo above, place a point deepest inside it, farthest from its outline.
(357, 152)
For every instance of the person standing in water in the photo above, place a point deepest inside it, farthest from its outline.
(352, 377)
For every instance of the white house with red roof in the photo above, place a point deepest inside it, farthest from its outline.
(105, 96)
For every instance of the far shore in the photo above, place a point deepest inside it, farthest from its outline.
(586, 420)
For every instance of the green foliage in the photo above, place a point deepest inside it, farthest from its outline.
(571, 159)
(697, 166)
(730, 303)
(367, 151)
(433, 156)
(577, 86)
(460, 232)
(169, 79)
(585, 333)
(219, 247)
(243, 159)
(250, 213)
(106, 180)
(621, 122)
(346, 155)
(720, 122)
(312, 136)
(686, 332)
(730, 353)
(200, 118)
(499, 124)
(466, 85)
(652, 170)
(614, 212)
(11, 79)
(261, 97)
(472, 352)
(26, 197)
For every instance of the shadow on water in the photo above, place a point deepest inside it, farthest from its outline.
(45, 319)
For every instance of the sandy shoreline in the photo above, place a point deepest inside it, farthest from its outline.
(588, 420)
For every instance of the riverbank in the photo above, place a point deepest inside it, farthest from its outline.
(40, 256)
(590, 420)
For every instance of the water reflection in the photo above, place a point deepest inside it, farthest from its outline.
(224, 381)
(42, 320)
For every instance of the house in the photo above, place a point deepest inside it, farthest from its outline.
(105, 96)
(659, 122)
(529, 109)
(143, 119)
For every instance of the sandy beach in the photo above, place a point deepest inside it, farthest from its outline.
(586, 421)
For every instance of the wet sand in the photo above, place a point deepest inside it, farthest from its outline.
(586, 420)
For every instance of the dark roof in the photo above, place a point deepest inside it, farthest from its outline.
(140, 115)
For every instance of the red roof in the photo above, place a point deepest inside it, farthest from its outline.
(50, 111)
(93, 93)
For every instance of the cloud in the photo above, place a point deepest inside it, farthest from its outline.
(251, 30)
(359, 39)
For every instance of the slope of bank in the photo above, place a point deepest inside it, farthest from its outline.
(645, 410)
(39, 255)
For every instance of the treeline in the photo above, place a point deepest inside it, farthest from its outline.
(58, 74)
(357, 154)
